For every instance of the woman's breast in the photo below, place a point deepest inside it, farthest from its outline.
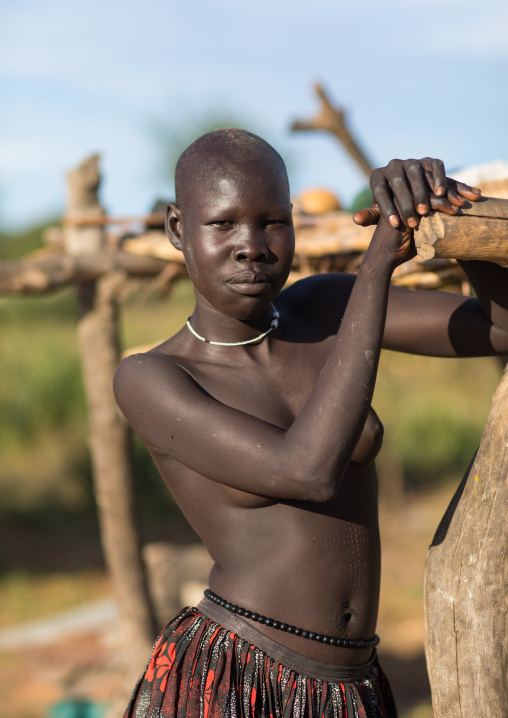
(370, 441)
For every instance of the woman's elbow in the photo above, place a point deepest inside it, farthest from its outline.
(315, 487)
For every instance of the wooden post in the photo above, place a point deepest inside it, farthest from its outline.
(109, 434)
(466, 575)
(466, 584)
(479, 231)
(83, 201)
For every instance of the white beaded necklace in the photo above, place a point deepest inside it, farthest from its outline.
(273, 325)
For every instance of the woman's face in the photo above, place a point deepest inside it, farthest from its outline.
(236, 232)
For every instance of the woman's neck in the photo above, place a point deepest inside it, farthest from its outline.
(209, 324)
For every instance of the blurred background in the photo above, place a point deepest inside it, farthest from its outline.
(137, 83)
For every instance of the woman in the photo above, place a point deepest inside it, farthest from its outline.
(258, 416)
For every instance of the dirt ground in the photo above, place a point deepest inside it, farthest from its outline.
(85, 663)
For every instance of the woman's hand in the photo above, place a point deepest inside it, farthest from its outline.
(396, 244)
(404, 190)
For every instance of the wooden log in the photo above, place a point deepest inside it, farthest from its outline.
(47, 273)
(466, 584)
(479, 231)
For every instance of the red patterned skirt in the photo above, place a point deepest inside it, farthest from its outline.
(201, 669)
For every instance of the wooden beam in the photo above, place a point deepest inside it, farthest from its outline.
(40, 275)
(479, 231)
(466, 584)
(84, 220)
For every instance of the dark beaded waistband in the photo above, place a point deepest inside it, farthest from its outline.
(279, 625)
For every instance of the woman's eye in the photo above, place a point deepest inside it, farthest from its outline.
(222, 223)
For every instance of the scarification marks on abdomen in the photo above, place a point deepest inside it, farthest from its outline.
(352, 542)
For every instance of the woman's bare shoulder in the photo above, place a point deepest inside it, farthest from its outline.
(318, 291)
(142, 374)
(317, 303)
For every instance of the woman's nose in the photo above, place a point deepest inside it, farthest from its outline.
(251, 247)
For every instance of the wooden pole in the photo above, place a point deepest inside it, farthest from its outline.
(109, 434)
(466, 584)
(479, 231)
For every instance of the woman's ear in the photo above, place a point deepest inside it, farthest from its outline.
(174, 225)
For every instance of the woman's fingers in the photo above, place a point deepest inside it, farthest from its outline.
(368, 216)
(404, 198)
(371, 215)
(441, 204)
(401, 189)
(419, 185)
(454, 198)
(436, 175)
(473, 194)
(383, 196)
(404, 190)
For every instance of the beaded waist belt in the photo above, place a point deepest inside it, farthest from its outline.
(279, 625)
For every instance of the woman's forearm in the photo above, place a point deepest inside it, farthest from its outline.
(335, 414)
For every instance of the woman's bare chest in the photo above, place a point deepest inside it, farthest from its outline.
(275, 389)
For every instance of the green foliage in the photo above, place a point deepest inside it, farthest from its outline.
(45, 467)
(44, 389)
(45, 477)
(362, 199)
(17, 244)
(23, 311)
(435, 443)
(434, 411)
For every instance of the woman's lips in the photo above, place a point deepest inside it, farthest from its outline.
(249, 277)
(249, 282)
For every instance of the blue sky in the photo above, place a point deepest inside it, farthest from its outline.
(77, 78)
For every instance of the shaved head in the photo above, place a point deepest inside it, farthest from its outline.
(223, 152)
